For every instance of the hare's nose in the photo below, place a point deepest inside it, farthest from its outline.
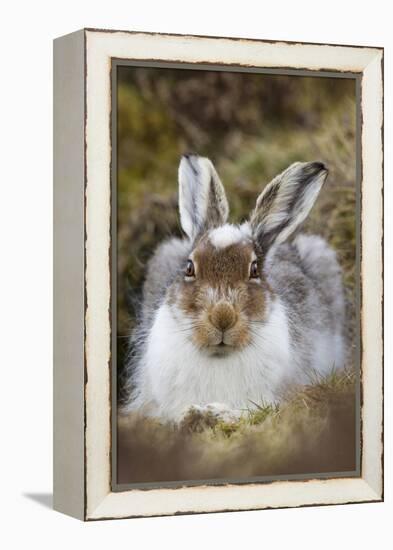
(223, 316)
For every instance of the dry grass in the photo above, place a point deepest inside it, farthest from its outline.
(311, 431)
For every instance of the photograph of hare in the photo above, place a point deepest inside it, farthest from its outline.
(237, 349)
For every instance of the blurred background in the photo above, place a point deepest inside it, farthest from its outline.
(251, 126)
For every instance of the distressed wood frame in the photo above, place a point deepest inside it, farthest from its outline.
(82, 272)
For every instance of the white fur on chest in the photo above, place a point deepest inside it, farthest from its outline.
(174, 374)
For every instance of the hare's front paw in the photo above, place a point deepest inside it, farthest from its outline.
(197, 418)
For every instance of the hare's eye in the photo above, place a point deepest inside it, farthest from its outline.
(254, 270)
(190, 269)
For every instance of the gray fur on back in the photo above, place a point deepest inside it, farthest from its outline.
(305, 274)
(163, 267)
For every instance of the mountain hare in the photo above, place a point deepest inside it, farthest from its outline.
(232, 314)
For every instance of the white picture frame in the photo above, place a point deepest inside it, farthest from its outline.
(82, 255)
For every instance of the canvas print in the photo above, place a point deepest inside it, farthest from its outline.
(236, 353)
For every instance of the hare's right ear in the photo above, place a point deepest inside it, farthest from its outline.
(202, 200)
(286, 202)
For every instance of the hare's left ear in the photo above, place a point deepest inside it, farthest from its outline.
(202, 200)
(286, 202)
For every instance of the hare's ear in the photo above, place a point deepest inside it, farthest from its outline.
(202, 200)
(286, 202)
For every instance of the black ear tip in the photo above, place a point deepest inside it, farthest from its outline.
(190, 160)
(187, 155)
(318, 166)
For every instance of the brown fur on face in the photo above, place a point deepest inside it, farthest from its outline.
(222, 300)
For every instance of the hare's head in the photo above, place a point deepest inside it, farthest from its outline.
(221, 292)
